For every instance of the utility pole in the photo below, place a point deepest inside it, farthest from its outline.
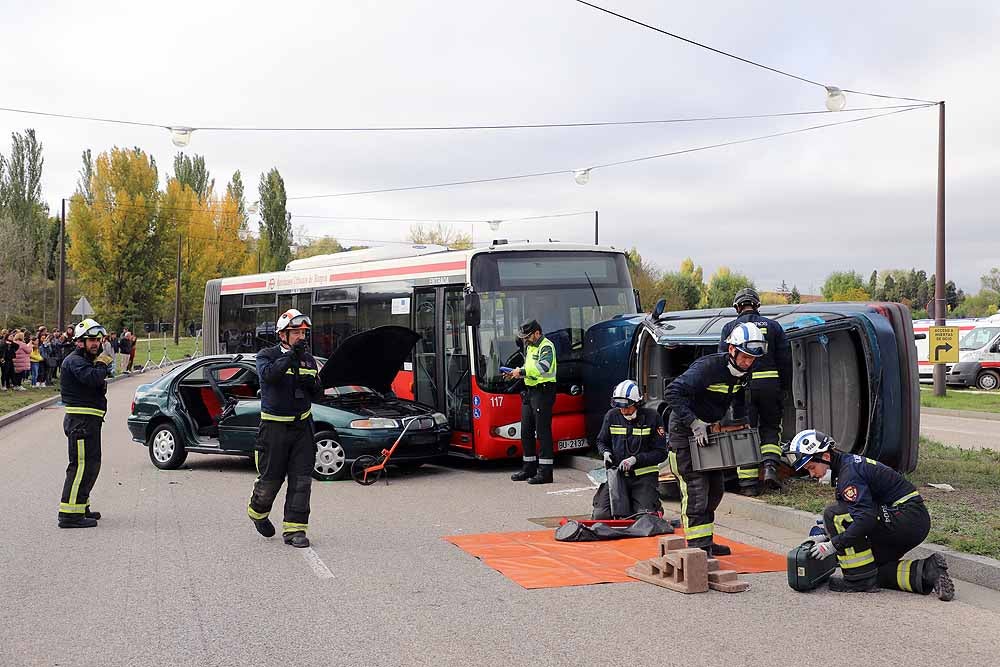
(940, 299)
(177, 293)
(61, 317)
(596, 228)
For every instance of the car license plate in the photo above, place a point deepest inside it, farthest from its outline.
(576, 443)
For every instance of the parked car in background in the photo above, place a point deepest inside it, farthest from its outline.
(978, 357)
(854, 369)
(211, 405)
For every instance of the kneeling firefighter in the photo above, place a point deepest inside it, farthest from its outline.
(288, 385)
(698, 398)
(878, 517)
(632, 441)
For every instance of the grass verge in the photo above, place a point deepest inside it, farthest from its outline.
(959, 399)
(967, 519)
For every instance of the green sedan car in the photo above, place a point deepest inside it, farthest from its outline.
(211, 405)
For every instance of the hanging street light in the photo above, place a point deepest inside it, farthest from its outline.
(180, 135)
(835, 99)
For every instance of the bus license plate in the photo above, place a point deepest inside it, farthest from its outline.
(576, 443)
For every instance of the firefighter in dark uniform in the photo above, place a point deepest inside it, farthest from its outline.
(537, 399)
(878, 517)
(288, 386)
(771, 379)
(698, 398)
(633, 440)
(83, 385)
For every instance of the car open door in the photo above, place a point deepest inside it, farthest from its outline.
(236, 388)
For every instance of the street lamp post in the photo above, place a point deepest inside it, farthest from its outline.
(940, 299)
(61, 318)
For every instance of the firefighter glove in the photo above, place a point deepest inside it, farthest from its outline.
(104, 360)
(627, 464)
(607, 459)
(700, 431)
(822, 550)
(299, 348)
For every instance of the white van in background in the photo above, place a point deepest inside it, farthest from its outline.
(920, 328)
(979, 357)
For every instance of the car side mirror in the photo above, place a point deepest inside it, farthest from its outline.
(658, 309)
(472, 313)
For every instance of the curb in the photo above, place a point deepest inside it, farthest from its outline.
(17, 415)
(980, 570)
(968, 414)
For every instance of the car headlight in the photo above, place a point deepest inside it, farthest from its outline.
(375, 422)
(439, 419)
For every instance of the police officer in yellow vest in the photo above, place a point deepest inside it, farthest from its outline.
(537, 399)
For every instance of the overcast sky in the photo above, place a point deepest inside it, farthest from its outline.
(861, 196)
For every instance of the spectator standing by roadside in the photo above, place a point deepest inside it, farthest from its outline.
(22, 360)
(125, 349)
(6, 360)
(36, 364)
(133, 343)
(51, 352)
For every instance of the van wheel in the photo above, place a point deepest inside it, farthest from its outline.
(331, 459)
(166, 450)
(988, 380)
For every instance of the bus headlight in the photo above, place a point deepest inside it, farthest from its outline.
(375, 422)
(508, 431)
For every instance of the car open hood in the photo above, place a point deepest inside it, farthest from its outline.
(370, 358)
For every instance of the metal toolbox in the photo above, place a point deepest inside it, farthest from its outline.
(728, 449)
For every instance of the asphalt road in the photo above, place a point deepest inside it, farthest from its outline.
(176, 575)
(964, 432)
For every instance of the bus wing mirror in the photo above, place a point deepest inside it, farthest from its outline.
(472, 314)
(638, 300)
(658, 309)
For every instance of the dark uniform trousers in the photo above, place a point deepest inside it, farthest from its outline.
(642, 492)
(765, 409)
(83, 433)
(284, 449)
(536, 421)
(701, 492)
(879, 555)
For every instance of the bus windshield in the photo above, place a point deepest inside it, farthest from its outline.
(566, 292)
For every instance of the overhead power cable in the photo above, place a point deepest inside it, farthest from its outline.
(611, 164)
(446, 128)
(739, 58)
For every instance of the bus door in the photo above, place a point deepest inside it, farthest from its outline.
(441, 365)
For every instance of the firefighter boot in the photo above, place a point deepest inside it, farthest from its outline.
(82, 522)
(750, 491)
(543, 476)
(528, 470)
(936, 578)
(92, 515)
(771, 480)
(714, 550)
(297, 539)
(866, 585)
(264, 526)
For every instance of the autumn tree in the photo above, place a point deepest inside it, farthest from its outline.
(326, 245)
(193, 173)
(117, 241)
(645, 278)
(276, 223)
(723, 286)
(441, 234)
(842, 282)
(234, 190)
(794, 296)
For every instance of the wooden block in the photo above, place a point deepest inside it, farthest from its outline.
(681, 587)
(730, 586)
(713, 564)
(720, 576)
(672, 543)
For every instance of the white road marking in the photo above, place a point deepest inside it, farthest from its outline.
(564, 492)
(316, 563)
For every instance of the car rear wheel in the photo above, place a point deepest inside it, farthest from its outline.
(166, 450)
(988, 380)
(331, 459)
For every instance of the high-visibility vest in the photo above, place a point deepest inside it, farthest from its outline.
(533, 374)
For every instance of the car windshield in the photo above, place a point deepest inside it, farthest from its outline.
(978, 337)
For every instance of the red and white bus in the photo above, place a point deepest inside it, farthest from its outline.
(455, 366)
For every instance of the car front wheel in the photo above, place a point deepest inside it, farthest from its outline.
(331, 459)
(166, 450)
(988, 380)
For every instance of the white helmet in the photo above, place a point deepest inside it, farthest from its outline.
(748, 338)
(807, 445)
(88, 328)
(626, 393)
(292, 319)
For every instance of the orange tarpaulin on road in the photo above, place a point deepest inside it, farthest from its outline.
(534, 559)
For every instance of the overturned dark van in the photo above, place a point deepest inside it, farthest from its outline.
(854, 369)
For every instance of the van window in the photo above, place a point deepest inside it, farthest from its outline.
(978, 337)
